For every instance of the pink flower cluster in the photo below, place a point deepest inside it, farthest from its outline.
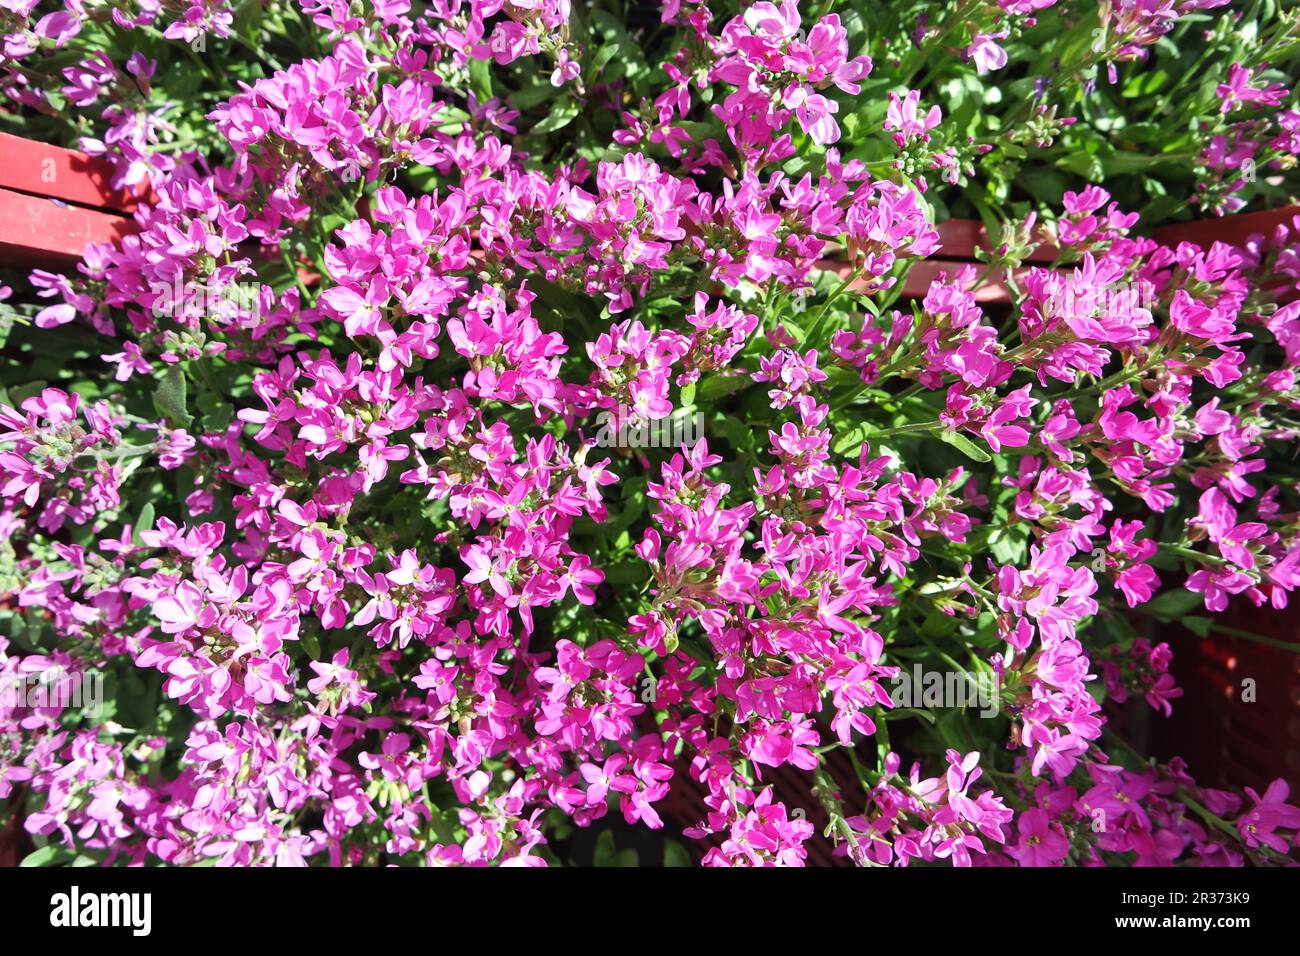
(404, 606)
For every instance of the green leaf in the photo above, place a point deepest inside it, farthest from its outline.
(1045, 185)
(170, 396)
(601, 60)
(676, 855)
(1087, 165)
(1144, 83)
(333, 222)
(605, 854)
(248, 21)
(849, 442)
(688, 394)
(965, 446)
(716, 386)
(480, 79)
(1172, 605)
(560, 116)
(632, 56)
(534, 95)
(143, 522)
(52, 854)
(217, 413)
(1008, 546)
(423, 178)
(20, 393)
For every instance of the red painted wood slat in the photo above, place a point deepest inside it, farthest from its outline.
(40, 169)
(36, 231)
(1234, 230)
(960, 238)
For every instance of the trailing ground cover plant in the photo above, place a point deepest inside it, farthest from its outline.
(345, 473)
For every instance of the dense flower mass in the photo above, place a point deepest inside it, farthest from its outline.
(506, 414)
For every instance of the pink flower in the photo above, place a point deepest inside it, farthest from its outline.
(581, 577)
(1271, 812)
(904, 119)
(1041, 842)
(180, 610)
(985, 52)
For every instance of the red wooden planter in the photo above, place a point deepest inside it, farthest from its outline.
(1238, 721)
(1234, 230)
(1237, 230)
(12, 840)
(55, 201)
